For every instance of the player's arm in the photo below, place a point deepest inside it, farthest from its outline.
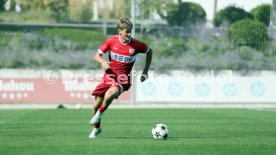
(98, 58)
(147, 66)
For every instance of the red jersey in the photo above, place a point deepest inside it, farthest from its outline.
(122, 55)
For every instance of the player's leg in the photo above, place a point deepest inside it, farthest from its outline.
(98, 103)
(110, 94)
(99, 93)
(97, 129)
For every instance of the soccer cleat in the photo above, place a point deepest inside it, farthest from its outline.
(95, 132)
(96, 118)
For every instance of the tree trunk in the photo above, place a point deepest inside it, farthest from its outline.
(215, 7)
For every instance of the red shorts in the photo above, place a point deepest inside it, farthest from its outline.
(107, 82)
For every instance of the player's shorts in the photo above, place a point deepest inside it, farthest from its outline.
(106, 83)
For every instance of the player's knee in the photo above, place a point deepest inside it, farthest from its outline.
(109, 96)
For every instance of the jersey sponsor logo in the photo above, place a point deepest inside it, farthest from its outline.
(122, 58)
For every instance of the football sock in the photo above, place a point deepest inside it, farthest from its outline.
(97, 125)
(102, 109)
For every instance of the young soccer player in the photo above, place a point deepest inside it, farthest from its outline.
(122, 50)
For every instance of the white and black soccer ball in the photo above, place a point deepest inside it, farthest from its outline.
(160, 131)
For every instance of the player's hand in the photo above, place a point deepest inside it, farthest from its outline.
(144, 77)
(105, 65)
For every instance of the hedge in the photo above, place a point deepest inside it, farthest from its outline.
(262, 13)
(248, 33)
(231, 14)
(186, 13)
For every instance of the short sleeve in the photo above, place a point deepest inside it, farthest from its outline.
(106, 45)
(143, 48)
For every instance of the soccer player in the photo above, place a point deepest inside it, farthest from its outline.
(122, 50)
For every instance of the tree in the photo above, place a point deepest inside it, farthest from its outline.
(230, 15)
(184, 14)
(262, 13)
(86, 14)
(2, 3)
(59, 9)
(33, 4)
(147, 8)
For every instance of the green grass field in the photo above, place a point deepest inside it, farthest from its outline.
(128, 131)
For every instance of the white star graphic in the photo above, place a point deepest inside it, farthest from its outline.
(18, 95)
(85, 95)
(78, 95)
(4, 95)
(11, 96)
(72, 95)
(25, 95)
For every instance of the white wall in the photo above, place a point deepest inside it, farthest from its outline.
(221, 87)
(179, 86)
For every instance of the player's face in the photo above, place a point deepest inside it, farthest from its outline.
(124, 35)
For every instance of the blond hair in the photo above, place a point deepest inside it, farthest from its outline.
(125, 23)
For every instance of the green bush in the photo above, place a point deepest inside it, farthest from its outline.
(248, 32)
(270, 50)
(185, 13)
(52, 48)
(245, 52)
(84, 39)
(56, 39)
(231, 14)
(262, 13)
(166, 46)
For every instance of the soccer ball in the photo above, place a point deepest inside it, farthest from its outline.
(160, 131)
